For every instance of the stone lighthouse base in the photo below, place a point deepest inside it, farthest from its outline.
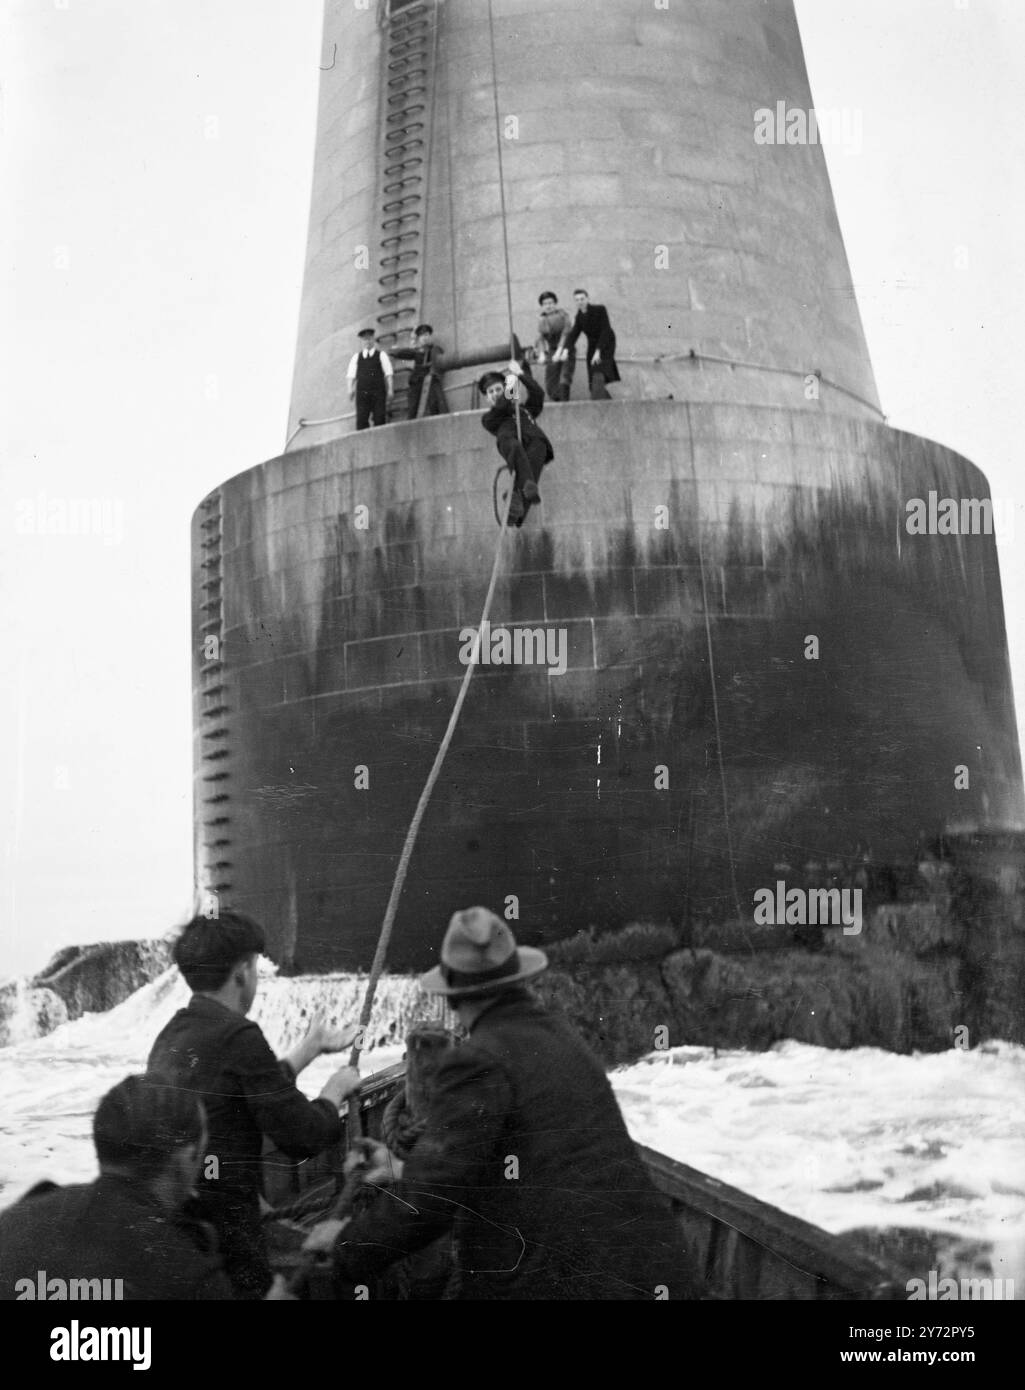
(762, 673)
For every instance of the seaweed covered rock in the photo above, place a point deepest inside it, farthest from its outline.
(616, 1008)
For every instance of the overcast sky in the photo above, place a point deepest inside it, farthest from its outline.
(156, 166)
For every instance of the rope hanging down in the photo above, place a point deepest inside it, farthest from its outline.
(712, 682)
(384, 938)
(501, 204)
(421, 806)
(343, 1204)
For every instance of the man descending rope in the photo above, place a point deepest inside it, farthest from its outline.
(516, 401)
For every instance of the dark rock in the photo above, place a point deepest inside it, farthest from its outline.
(93, 979)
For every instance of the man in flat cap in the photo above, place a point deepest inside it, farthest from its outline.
(515, 401)
(371, 381)
(426, 396)
(525, 1156)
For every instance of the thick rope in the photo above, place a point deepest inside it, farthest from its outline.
(380, 955)
(421, 806)
(501, 200)
(711, 676)
(383, 940)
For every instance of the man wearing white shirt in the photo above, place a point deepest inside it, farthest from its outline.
(370, 378)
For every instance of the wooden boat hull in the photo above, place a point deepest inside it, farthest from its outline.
(745, 1248)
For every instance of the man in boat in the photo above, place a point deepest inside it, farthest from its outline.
(524, 1154)
(123, 1236)
(515, 401)
(213, 1051)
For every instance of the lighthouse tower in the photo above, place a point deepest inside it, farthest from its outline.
(763, 666)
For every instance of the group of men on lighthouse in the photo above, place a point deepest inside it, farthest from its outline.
(514, 398)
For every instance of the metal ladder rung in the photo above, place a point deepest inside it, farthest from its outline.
(401, 78)
(399, 98)
(408, 94)
(402, 166)
(402, 116)
(402, 82)
(394, 257)
(406, 147)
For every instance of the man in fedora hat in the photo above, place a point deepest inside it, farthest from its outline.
(524, 1155)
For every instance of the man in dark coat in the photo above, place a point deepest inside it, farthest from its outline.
(524, 1153)
(424, 390)
(214, 1051)
(515, 401)
(123, 1236)
(593, 321)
